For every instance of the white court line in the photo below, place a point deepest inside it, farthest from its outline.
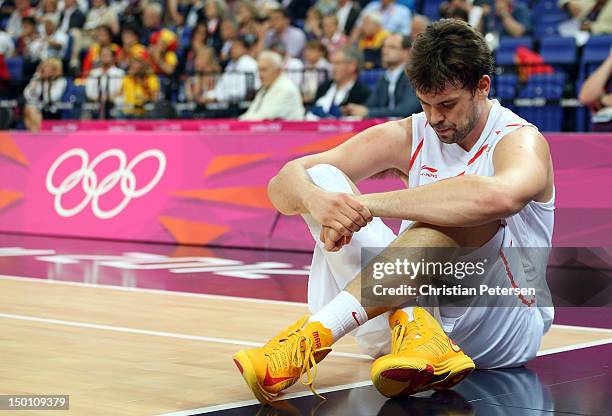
(152, 291)
(217, 297)
(157, 333)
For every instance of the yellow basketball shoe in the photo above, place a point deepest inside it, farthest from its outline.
(423, 357)
(282, 361)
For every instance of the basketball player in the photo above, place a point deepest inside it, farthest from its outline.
(478, 176)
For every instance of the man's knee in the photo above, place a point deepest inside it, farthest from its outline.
(331, 178)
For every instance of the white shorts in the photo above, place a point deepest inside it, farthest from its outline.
(494, 337)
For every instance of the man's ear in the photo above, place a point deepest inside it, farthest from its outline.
(484, 86)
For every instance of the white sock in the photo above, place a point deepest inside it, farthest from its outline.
(343, 314)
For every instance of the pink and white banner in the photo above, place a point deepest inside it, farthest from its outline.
(197, 187)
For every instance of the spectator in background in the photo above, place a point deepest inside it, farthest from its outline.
(333, 38)
(396, 18)
(507, 18)
(162, 47)
(316, 69)
(296, 9)
(199, 41)
(104, 82)
(291, 37)
(130, 46)
(22, 10)
(193, 12)
(326, 7)
(151, 21)
(229, 33)
(419, 24)
(48, 8)
(204, 77)
(462, 9)
(71, 17)
(215, 11)
(45, 89)
(371, 38)
(239, 78)
(7, 46)
(101, 14)
(293, 68)
(393, 95)
(596, 93)
(596, 16)
(312, 25)
(26, 39)
(103, 37)
(347, 14)
(278, 97)
(140, 87)
(52, 43)
(344, 87)
(246, 16)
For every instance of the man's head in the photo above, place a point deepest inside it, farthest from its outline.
(28, 26)
(450, 70)
(69, 3)
(107, 56)
(418, 25)
(313, 52)
(330, 25)
(50, 23)
(151, 16)
(270, 67)
(22, 5)
(279, 20)
(396, 51)
(229, 29)
(345, 64)
(104, 35)
(129, 36)
(372, 23)
(240, 47)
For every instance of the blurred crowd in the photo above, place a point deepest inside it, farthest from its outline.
(288, 59)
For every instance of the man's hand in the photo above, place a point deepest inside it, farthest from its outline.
(341, 212)
(332, 240)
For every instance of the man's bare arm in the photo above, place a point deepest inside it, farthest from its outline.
(523, 172)
(379, 148)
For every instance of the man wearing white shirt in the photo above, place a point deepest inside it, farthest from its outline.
(396, 17)
(52, 43)
(104, 83)
(278, 97)
(240, 75)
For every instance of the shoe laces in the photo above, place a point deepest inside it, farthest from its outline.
(403, 335)
(296, 350)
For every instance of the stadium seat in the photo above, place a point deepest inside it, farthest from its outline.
(596, 49)
(506, 86)
(507, 47)
(431, 9)
(549, 86)
(558, 50)
(15, 67)
(370, 77)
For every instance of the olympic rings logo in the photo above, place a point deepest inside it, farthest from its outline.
(94, 189)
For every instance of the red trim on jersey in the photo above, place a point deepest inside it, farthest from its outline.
(512, 282)
(478, 154)
(461, 174)
(416, 153)
(515, 125)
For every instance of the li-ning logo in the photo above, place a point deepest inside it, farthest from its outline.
(94, 189)
(429, 171)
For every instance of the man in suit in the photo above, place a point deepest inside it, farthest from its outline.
(347, 13)
(393, 96)
(71, 17)
(344, 87)
(279, 98)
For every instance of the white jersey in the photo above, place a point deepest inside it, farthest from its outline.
(431, 161)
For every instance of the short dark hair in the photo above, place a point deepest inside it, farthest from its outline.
(449, 51)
